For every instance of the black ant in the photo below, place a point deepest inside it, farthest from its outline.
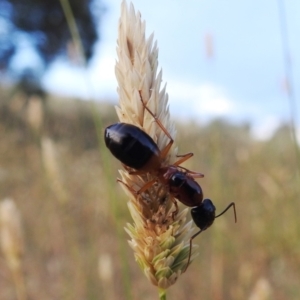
(137, 150)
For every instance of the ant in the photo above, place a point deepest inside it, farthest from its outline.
(137, 150)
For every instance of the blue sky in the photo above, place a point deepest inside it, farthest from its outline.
(244, 78)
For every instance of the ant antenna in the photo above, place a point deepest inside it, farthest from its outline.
(197, 233)
(224, 211)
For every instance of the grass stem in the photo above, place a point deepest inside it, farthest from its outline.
(162, 294)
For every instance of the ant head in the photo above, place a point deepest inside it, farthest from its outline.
(204, 214)
(177, 179)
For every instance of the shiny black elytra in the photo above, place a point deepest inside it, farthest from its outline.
(138, 151)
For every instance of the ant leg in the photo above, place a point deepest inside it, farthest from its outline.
(166, 150)
(146, 186)
(135, 172)
(131, 171)
(224, 211)
(163, 128)
(197, 233)
(175, 212)
(133, 191)
(190, 253)
(192, 173)
(183, 158)
(128, 169)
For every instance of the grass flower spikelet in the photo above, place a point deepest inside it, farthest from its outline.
(160, 241)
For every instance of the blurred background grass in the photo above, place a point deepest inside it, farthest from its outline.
(54, 165)
(73, 210)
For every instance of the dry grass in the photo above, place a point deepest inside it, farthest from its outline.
(74, 248)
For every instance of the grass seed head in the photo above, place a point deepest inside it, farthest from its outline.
(160, 242)
(11, 235)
